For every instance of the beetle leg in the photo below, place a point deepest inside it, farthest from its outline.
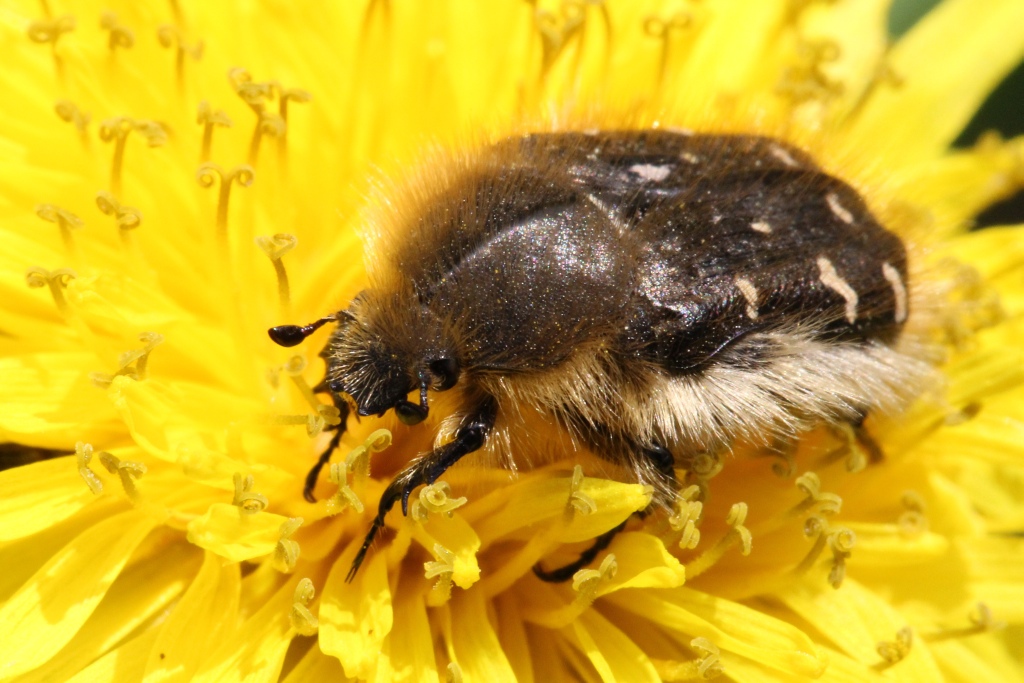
(339, 430)
(566, 572)
(661, 462)
(866, 441)
(471, 435)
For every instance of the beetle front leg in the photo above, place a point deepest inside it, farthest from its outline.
(470, 437)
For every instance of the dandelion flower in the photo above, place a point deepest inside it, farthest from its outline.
(177, 178)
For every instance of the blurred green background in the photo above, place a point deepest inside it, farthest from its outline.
(1003, 111)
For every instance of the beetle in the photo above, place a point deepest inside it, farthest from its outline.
(656, 294)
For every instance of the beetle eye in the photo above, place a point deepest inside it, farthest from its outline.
(410, 413)
(446, 373)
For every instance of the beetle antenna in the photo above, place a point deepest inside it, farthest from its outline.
(292, 335)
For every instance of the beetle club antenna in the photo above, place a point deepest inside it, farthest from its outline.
(292, 335)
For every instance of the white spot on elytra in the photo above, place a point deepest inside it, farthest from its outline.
(782, 155)
(679, 131)
(830, 278)
(690, 158)
(898, 290)
(651, 172)
(591, 132)
(749, 293)
(841, 212)
(762, 227)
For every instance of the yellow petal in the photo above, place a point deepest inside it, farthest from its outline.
(729, 49)
(615, 656)
(126, 663)
(857, 620)
(356, 617)
(212, 599)
(255, 652)
(643, 562)
(997, 573)
(859, 29)
(541, 499)
(52, 606)
(143, 591)
(410, 649)
(50, 398)
(315, 666)
(459, 538)
(514, 639)
(40, 495)
(236, 535)
(474, 643)
(887, 546)
(955, 188)
(25, 556)
(946, 73)
(728, 625)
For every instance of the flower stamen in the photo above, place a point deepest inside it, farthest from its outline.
(324, 415)
(893, 651)
(49, 31)
(807, 80)
(68, 111)
(127, 470)
(245, 498)
(701, 468)
(284, 96)
(816, 501)
(251, 92)
(578, 502)
(270, 124)
(172, 37)
(982, 621)
(708, 666)
(913, 522)
(286, 552)
(120, 36)
(209, 173)
(663, 29)
(83, 454)
(57, 281)
(586, 582)
(65, 220)
(453, 673)
(689, 511)
(840, 541)
(737, 534)
(556, 31)
(133, 363)
(345, 496)
(127, 218)
(442, 568)
(275, 247)
(436, 498)
(209, 118)
(117, 130)
(358, 460)
(302, 619)
(857, 451)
